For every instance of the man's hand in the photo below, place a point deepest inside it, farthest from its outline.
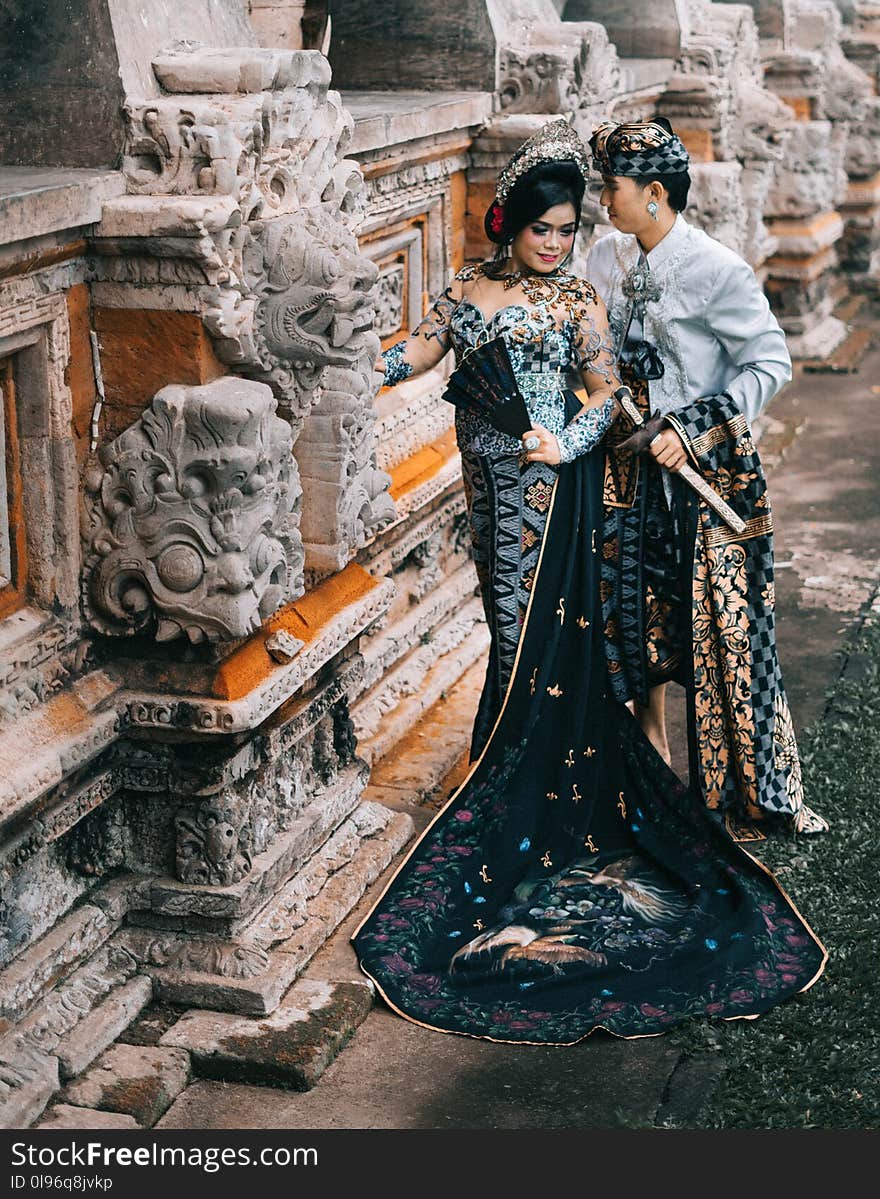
(667, 448)
(547, 449)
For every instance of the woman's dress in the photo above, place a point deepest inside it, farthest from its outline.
(572, 881)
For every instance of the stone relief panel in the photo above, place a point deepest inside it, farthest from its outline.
(188, 518)
(213, 842)
(289, 300)
(807, 181)
(389, 299)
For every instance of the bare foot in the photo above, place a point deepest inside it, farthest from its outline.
(657, 737)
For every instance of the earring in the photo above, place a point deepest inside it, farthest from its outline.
(653, 209)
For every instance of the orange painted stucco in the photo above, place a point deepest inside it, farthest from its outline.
(251, 663)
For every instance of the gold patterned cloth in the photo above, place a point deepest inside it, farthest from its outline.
(742, 744)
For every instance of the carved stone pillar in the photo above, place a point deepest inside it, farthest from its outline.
(735, 130)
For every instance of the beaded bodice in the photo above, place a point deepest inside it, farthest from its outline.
(554, 332)
(542, 356)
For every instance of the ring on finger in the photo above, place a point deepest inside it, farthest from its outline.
(532, 443)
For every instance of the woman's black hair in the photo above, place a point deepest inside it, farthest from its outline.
(677, 187)
(543, 187)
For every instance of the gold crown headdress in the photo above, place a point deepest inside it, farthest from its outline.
(554, 142)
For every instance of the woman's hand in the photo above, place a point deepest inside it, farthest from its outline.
(547, 449)
(667, 448)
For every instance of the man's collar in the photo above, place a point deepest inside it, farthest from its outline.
(669, 244)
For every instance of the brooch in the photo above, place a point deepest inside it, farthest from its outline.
(640, 284)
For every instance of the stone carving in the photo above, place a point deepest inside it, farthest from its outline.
(63, 1007)
(426, 558)
(344, 737)
(283, 646)
(716, 204)
(545, 80)
(324, 759)
(389, 301)
(313, 303)
(95, 846)
(806, 182)
(764, 124)
(346, 500)
(188, 520)
(213, 843)
(225, 959)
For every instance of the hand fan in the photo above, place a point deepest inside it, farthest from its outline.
(485, 383)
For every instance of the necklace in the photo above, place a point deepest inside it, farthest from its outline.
(517, 277)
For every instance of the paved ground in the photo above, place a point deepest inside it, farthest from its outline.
(822, 452)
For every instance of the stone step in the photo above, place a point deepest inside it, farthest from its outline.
(40, 967)
(415, 770)
(290, 1048)
(221, 907)
(251, 974)
(437, 681)
(846, 358)
(65, 1115)
(132, 1080)
(29, 1080)
(103, 1025)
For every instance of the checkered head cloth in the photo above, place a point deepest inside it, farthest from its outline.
(640, 148)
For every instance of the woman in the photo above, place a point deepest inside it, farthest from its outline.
(685, 597)
(571, 882)
(553, 324)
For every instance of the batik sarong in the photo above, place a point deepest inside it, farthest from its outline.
(742, 749)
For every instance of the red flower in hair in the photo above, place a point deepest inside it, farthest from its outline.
(497, 221)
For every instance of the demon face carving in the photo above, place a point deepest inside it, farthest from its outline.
(188, 525)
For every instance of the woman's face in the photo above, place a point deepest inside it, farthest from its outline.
(545, 241)
(626, 202)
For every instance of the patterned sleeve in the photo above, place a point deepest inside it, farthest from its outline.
(591, 339)
(585, 432)
(431, 338)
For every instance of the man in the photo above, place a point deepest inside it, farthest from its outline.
(685, 597)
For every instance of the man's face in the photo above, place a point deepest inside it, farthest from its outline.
(626, 203)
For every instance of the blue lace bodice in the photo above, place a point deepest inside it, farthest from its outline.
(544, 351)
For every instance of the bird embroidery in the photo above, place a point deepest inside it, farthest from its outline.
(478, 924)
(532, 680)
(640, 896)
(560, 611)
(569, 761)
(555, 691)
(622, 805)
(589, 844)
(583, 623)
(484, 874)
(554, 946)
(575, 794)
(589, 751)
(552, 795)
(545, 861)
(527, 944)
